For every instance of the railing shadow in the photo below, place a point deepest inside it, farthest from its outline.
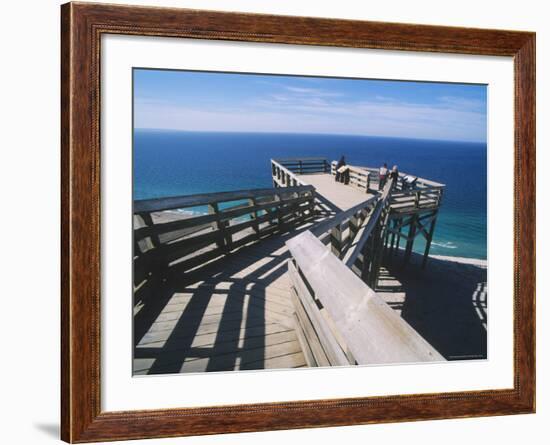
(446, 304)
(221, 323)
(326, 207)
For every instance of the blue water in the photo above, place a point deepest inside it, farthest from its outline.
(170, 163)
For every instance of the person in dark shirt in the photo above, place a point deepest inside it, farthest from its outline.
(341, 175)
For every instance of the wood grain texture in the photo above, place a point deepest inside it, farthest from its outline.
(372, 331)
(82, 27)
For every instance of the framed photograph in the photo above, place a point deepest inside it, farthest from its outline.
(274, 222)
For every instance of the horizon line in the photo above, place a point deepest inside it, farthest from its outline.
(309, 133)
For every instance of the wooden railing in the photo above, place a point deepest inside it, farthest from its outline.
(189, 231)
(422, 194)
(365, 256)
(340, 320)
(303, 166)
(358, 176)
(283, 176)
(342, 230)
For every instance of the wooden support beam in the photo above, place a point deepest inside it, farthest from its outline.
(429, 242)
(385, 245)
(392, 241)
(398, 236)
(410, 241)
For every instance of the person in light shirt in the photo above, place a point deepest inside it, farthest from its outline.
(383, 173)
(394, 175)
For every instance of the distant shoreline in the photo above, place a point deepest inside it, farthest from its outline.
(416, 257)
(462, 260)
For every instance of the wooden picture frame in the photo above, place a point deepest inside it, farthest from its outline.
(82, 26)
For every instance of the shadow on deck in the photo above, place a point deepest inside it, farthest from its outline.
(237, 318)
(446, 304)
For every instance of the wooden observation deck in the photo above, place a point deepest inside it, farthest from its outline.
(277, 278)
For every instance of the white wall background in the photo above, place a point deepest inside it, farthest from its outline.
(29, 222)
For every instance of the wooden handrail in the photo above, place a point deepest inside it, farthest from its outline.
(283, 177)
(162, 242)
(421, 182)
(324, 226)
(358, 176)
(303, 165)
(180, 202)
(366, 327)
(279, 160)
(373, 220)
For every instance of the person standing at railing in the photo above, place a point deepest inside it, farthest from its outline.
(394, 175)
(342, 171)
(383, 175)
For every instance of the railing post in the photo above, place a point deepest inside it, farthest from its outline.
(254, 217)
(365, 264)
(354, 225)
(379, 249)
(274, 175)
(225, 239)
(152, 242)
(336, 240)
(279, 213)
(148, 221)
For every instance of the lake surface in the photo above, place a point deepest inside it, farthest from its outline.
(172, 163)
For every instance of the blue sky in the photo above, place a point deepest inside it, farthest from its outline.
(204, 101)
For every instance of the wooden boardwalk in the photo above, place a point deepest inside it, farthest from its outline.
(240, 317)
(222, 300)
